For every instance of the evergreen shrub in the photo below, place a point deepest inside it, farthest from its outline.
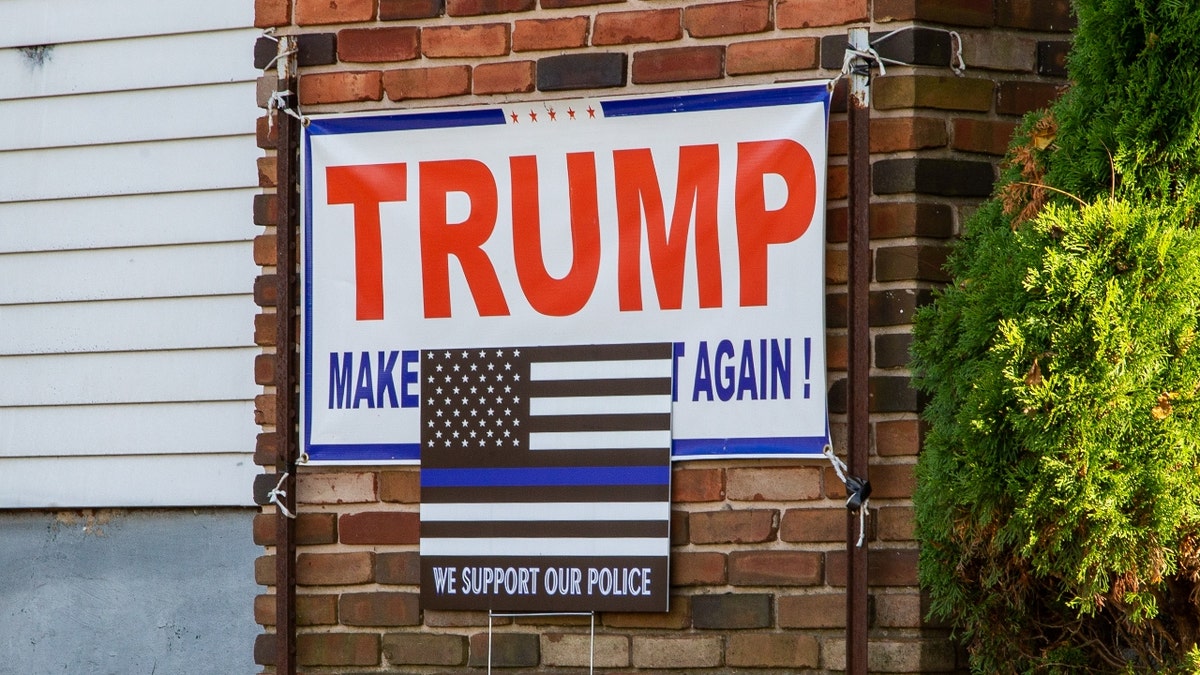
(1058, 498)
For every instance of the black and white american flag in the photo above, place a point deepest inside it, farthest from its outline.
(538, 453)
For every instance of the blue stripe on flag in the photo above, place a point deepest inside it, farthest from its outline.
(538, 476)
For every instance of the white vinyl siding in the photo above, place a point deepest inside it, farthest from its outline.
(127, 174)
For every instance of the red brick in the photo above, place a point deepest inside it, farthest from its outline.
(774, 483)
(944, 92)
(774, 568)
(342, 487)
(379, 527)
(731, 611)
(839, 138)
(267, 171)
(898, 437)
(622, 28)
(403, 486)
(266, 133)
(373, 45)
(511, 77)
(427, 82)
(265, 286)
(504, 650)
(895, 523)
(311, 529)
(264, 250)
(907, 219)
(679, 617)
(480, 7)
(337, 649)
(266, 449)
(313, 12)
(265, 209)
(885, 567)
(343, 87)
(679, 528)
(264, 409)
(264, 570)
(772, 650)
(822, 610)
(892, 481)
(678, 65)
(436, 618)
(335, 569)
(269, 13)
(733, 527)
(400, 568)
(837, 266)
(264, 649)
(670, 653)
(1039, 15)
(264, 369)
(771, 56)
(398, 10)
(727, 18)
(379, 609)
(559, 4)
(311, 610)
(425, 649)
(813, 525)
(697, 568)
(918, 262)
(899, 610)
(697, 485)
(837, 185)
(1018, 98)
(465, 41)
(956, 12)
(895, 134)
(837, 351)
(810, 13)
(531, 35)
(986, 136)
(1000, 50)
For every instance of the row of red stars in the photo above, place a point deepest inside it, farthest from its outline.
(533, 116)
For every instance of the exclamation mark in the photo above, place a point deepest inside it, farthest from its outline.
(807, 366)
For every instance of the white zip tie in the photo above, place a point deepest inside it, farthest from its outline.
(278, 102)
(280, 55)
(863, 510)
(274, 495)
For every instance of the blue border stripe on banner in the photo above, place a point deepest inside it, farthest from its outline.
(716, 100)
(540, 476)
(330, 452)
(796, 445)
(406, 121)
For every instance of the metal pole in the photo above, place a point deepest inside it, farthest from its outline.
(859, 114)
(286, 228)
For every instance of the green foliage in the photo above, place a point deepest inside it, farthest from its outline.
(1058, 498)
(1135, 98)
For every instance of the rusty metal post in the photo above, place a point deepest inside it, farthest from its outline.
(286, 232)
(859, 113)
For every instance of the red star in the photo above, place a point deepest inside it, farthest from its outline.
(515, 118)
(553, 115)
(591, 111)
(532, 116)
(571, 112)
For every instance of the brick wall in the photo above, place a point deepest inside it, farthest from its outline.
(758, 562)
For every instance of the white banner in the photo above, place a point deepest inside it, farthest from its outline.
(690, 218)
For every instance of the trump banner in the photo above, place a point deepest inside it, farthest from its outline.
(651, 268)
